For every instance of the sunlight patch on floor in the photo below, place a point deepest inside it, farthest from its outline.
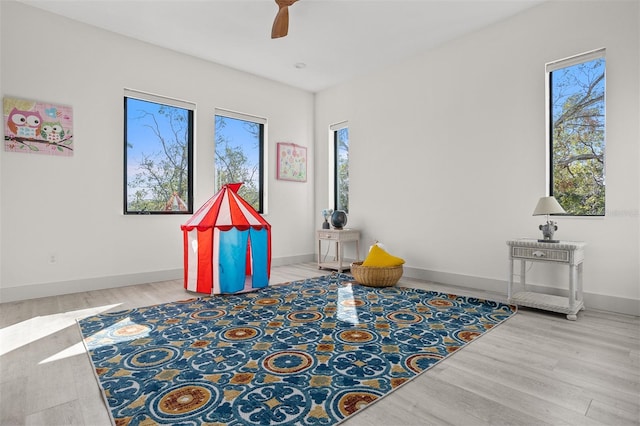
(74, 350)
(33, 329)
(124, 330)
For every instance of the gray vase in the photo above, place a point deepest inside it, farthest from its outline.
(339, 219)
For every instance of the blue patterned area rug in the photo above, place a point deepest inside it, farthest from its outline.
(310, 352)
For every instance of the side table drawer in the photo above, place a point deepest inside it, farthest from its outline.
(540, 254)
(327, 236)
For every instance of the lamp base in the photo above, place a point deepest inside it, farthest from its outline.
(547, 232)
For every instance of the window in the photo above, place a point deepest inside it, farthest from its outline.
(341, 166)
(158, 159)
(239, 142)
(576, 122)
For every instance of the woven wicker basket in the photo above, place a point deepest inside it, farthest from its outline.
(374, 276)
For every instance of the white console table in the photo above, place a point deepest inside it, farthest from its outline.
(570, 253)
(339, 236)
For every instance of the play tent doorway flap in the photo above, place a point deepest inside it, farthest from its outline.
(227, 245)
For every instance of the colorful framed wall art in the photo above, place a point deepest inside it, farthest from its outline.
(34, 127)
(292, 162)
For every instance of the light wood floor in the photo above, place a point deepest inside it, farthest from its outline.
(535, 369)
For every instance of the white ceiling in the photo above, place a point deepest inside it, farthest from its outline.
(336, 39)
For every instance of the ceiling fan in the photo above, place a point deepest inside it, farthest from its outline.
(281, 23)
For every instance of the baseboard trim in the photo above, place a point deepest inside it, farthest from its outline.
(458, 280)
(290, 260)
(33, 291)
(594, 301)
(58, 288)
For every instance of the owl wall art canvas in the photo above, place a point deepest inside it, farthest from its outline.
(37, 128)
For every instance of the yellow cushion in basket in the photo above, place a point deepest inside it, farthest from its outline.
(377, 257)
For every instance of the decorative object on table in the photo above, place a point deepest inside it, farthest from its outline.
(38, 128)
(379, 269)
(547, 206)
(339, 219)
(227, 246)
(326, 213)
(292, 162)
(310, 352)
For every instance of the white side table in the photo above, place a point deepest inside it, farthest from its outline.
(339, 236)
(570, 253)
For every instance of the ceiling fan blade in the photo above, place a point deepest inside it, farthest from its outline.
(281, 23)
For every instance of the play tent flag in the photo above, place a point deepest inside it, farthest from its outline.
(227, 245)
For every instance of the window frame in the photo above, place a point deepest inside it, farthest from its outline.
(551, 67)
(174, 103)
(262, 152)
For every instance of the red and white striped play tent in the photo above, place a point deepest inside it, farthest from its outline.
(227, 246)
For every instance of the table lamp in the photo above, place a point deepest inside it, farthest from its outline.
(547, 206)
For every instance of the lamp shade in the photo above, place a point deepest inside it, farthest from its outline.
(548, 205)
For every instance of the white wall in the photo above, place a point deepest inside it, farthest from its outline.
(72, 207)
(1, 198)
(447, 151)
(436, 140)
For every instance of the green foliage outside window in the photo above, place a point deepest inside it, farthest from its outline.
(577, 95)
(342, 169)
(238, 156)
(158, 158)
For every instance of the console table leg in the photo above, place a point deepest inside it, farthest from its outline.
(510, 282)
(572, 288)
(580, 295)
